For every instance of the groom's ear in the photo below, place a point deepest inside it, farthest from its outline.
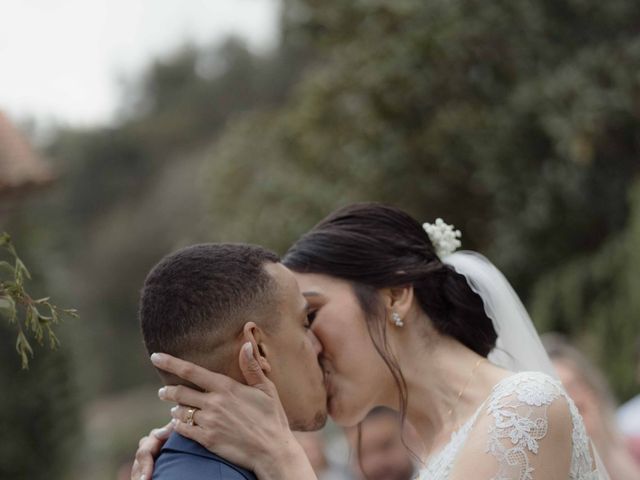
(254, 334)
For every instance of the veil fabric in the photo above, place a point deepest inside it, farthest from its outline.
(518, 347)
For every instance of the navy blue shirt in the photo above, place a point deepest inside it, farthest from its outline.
(184, 459)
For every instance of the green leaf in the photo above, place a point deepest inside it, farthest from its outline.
(4, 239)
(53, 339)
(20, 267)
(35, 313)
(7, 267)
(71, 312)
(23, 347)
(8, 307)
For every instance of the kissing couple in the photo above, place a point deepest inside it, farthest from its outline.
(369, 308)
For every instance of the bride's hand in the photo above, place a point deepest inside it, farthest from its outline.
(245, 424)
(149, 449)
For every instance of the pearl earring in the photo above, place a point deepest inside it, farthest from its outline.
(395, 316)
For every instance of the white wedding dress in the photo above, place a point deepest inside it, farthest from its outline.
(518, 424)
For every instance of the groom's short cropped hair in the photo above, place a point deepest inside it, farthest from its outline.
(195, 300)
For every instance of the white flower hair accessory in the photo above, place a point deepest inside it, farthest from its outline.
(443, 237)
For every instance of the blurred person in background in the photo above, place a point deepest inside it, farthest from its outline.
(590, 391)
(379, 452)
(314, 445)
(629, 415)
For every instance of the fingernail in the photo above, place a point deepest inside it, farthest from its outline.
(247, 350)
(156, 358)
(143, 477)
(174, 421)
(161, 432)
(162, 392)
(174, 409)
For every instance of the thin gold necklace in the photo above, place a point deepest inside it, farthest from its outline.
(455, 404)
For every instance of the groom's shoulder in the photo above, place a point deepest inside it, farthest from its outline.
(184, 459)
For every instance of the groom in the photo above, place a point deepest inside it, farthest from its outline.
(202, 303)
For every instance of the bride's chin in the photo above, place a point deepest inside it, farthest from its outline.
(342, 415)
(335, 412)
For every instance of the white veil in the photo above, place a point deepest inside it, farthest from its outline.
(518, 347)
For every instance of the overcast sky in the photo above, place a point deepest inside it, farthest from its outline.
(62, 59)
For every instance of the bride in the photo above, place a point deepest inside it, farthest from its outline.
(405, 323)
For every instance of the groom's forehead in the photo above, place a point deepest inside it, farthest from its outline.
(287, 285)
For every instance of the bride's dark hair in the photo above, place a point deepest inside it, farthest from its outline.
(376, 246)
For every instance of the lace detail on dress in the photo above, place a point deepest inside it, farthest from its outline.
(582, 464)
(518, 408)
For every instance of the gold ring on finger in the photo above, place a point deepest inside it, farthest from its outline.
(190, 413)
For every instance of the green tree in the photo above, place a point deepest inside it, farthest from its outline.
(128, 193)
(39, 418)
(595, 300)
(514, 120)
(514, 108)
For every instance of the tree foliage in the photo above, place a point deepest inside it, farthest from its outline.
(594, 300)
(39, 413)
(29, 316)
(517, 110)
(517, 121)
(129, 192)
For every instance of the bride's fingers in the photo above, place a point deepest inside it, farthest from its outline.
(163, 433)
(148, 448)
(252, 371)
(180, 412)
(183, 395)
(140, 472)
(203, 378)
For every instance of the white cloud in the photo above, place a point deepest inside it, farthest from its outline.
(59, 59)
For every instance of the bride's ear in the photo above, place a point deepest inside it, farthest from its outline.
(253, 334)
(398, 300)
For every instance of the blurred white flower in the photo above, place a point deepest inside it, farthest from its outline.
(443, 237)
